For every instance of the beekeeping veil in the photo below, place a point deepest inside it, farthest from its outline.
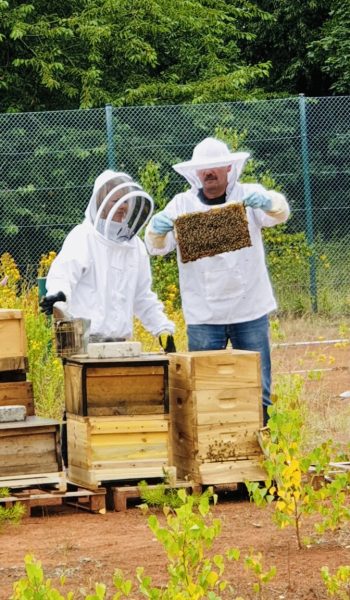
(212, 153)
(119, 208)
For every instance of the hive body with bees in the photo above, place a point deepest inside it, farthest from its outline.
(207, 233)
(215, 414)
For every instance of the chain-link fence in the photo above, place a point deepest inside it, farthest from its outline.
(49, 161)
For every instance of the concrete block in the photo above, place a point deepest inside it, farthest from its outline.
(114, 349)
(12, 412)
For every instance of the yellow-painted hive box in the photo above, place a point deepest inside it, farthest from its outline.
(117, 448)
(207, 233)
(215, 414)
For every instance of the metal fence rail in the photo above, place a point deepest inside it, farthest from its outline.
(49, 160)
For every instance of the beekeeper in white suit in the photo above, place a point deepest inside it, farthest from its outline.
(102, 272)
(227, 296)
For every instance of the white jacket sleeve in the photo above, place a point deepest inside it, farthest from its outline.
(69, 265)
(159, 245)
(147, 307)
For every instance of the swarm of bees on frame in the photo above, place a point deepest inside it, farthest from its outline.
(212, 232)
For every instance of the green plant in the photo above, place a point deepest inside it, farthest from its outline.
(45, 368)
(12, 514)
(194, 573)
(338, 584)
(34, 586)
(253, 563)
(154, 183)
(288, 463)
(187, 536)
(159, 496)
(277, 334)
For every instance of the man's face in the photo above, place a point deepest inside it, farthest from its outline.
(213, 180)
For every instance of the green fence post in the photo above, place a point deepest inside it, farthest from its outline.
(308, 200)
(110, 144)
(41, 281)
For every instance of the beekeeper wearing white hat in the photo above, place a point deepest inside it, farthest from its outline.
(227, 296)
(102, 272)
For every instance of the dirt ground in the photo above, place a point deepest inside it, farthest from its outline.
(87, 547)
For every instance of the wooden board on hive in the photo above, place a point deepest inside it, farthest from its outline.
(30, 447)
(13, 341)
(118, 386)
(211, 232)
(17, 393)
(109, 448)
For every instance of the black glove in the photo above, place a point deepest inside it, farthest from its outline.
(46, 303)
(166, 341)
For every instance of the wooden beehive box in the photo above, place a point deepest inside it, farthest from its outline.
(31, 447)
(117, 448)
(215, 414)
(117, 386)
(13, 341)
(17, 393)
(207, 233)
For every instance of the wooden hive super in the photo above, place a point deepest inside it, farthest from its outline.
(215, 414)
(17, 393)
(30, 453)
(13, 346)
(117, 418)
(212, 232)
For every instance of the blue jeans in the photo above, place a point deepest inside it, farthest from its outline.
(251, 335)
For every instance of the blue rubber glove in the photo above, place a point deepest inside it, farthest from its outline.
(258, 200)
(161, 224)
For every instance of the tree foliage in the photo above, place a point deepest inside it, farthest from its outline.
(332, 50)
(285, 39)
(85, 53)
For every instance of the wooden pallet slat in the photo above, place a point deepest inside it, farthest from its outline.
(92, 501)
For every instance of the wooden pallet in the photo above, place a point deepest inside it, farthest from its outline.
(335, 468)
(79, 498)
(123, 493)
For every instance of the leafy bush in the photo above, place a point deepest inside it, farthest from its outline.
(187, 537)
(287, 463)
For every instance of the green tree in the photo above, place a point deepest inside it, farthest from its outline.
(332, 50)
(87, 53)
(285, 39)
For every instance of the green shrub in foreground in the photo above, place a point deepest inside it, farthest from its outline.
(187, 537)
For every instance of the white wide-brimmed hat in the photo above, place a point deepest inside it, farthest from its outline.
(211, 153)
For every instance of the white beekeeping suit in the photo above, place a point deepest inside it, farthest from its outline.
(103, 268)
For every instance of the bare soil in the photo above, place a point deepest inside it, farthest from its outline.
(87, 548)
